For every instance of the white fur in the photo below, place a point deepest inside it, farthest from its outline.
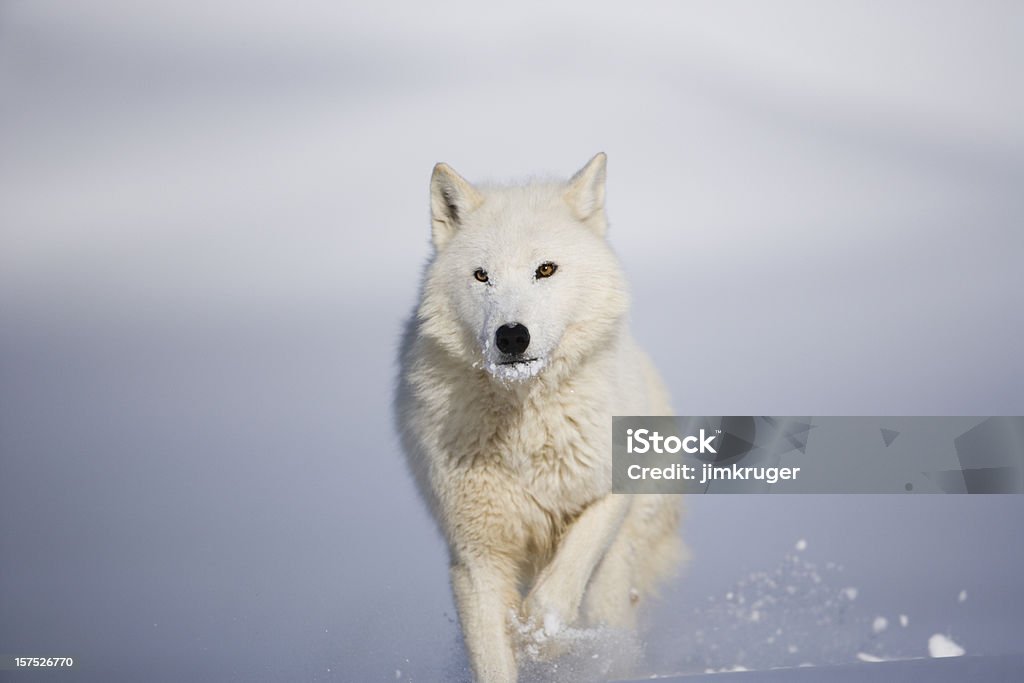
(514, 461)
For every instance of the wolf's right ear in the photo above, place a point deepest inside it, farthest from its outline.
(451, 198)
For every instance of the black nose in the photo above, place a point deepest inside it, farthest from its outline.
(512, 339)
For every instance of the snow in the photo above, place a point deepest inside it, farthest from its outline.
(865, 657)
(727, 669)
(552, 624)
(517, 372)
(879, 624)
(774, 617)
(801, 545)
(850, 593)
(904, 620)
(941, 645)
(962, 597)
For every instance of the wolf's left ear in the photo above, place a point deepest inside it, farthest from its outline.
(451, 198)
(585, 193)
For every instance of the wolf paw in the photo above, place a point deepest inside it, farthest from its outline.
(552, 611)
(542, 640)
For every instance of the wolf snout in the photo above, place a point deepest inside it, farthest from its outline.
(512, 339)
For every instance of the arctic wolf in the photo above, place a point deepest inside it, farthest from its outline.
(516, 359)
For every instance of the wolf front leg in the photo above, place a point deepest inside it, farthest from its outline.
(647, 550)
(555, 598)
(485, 595)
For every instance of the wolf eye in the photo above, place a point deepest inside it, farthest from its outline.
(546, 269)
(480, 274)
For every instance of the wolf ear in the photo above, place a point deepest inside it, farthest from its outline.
(451, 198)
(585, 193)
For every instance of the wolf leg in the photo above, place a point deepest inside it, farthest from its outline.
(486, 595)
(611, 596)
(646, 550)
(555, 598)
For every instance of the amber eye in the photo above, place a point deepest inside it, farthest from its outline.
(546, 269)
(480, 274)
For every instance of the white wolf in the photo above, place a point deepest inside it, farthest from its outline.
(511, 369)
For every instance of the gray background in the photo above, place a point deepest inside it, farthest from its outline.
(213, 219)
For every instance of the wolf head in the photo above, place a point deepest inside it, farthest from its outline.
(522, 282)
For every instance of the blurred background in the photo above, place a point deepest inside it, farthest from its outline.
(213, 219)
